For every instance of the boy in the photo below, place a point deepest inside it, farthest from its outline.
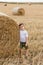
(23, 38)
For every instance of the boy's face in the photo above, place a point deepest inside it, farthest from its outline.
(22, 27)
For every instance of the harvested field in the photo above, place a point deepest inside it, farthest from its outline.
(33, 20)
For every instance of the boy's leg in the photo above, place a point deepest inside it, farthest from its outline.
(20, 56)
(19, 52)
(26, 51)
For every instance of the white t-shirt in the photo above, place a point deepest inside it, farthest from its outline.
(23, 35)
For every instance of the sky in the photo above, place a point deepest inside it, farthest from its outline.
(21, 0)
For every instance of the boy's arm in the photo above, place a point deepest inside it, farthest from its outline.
(26, 38)
(26, 41)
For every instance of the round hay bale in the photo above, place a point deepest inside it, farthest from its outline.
(5, 4)
(30, 3)
(9, 36)
(18, 11)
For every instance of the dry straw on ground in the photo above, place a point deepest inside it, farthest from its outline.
(9, 36)
(18, 11)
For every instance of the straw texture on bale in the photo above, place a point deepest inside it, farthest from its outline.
(9, 36)
(18, 11)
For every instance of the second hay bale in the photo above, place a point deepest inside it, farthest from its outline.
(9, 36)
(18, 11)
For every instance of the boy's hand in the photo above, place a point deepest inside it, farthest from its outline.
(26, 46)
